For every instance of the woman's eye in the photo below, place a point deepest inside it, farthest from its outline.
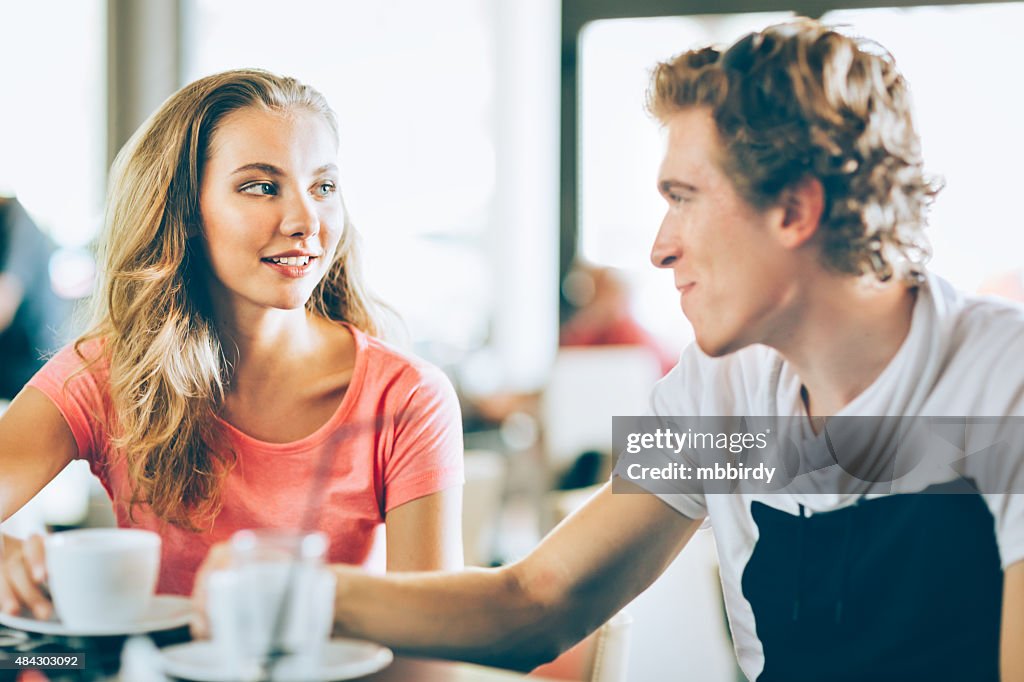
(264, 188)
(326, 189)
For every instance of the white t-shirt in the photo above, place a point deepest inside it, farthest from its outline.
(963, 356)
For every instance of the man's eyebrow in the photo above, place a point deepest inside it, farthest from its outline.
(666, 185)
(326, 168)
(262, 167)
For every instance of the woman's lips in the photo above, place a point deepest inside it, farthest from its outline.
(291, 271)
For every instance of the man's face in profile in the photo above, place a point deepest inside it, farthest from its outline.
(732, 273)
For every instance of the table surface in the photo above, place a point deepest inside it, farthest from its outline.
(103, 658)
(423, 670)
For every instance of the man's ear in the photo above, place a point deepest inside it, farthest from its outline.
(803, 205)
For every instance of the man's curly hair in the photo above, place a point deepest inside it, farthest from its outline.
(800, 99)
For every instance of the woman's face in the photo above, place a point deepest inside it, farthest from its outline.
(271, 211)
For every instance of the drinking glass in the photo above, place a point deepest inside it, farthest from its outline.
(272, 609)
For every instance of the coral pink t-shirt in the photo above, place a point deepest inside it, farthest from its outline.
(395, 437)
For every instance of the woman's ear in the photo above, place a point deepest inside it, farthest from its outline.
(803, 204)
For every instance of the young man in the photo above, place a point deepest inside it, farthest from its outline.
(796, 201)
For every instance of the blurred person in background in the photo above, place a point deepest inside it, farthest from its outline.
(32, 317)
(597, 314)
(600, 314)
(232, 377)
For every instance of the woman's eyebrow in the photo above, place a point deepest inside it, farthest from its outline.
(271, 169)
(267, 168)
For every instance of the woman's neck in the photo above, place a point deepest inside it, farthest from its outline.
(266, 344)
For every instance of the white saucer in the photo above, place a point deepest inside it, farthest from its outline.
(166, 611)
(343, 659)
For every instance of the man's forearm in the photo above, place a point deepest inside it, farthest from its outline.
(482, 615)
(525, 614)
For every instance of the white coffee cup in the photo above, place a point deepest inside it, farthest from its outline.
(102, 577)
(266, 582)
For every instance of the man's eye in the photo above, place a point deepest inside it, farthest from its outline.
(265, 188)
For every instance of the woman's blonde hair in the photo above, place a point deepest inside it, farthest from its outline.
(800, 99)
(168, 370)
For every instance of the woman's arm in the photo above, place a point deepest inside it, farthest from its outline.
(35, 444)
(426, 534)
(1011, 646)
(524, 614)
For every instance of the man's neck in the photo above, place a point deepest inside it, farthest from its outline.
(841, 336)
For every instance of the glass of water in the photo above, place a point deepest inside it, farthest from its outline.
(271, 611)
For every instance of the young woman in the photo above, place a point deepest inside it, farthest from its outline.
(231, 378)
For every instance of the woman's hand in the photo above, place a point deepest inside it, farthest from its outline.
(218, 558)
(23, 577)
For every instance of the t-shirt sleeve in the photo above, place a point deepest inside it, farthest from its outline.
(427, 452)
(74, 390)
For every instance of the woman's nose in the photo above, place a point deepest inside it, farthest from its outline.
(301, 218)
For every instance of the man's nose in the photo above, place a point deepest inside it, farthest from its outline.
(666, 249)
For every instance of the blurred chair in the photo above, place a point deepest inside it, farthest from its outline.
(601, 657)
(611, 651)
(588, 386)
(482, 502)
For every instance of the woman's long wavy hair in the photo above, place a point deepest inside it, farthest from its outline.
(168, 370)
(800, 99)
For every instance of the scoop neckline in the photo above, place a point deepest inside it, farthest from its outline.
(328, 428)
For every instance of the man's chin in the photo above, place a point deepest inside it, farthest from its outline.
(716, 348)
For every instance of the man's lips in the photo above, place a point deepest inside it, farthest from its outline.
(686, 287)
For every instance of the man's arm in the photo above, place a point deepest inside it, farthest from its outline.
(524, 614)
(1011, 646)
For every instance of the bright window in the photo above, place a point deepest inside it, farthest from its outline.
(53, 102)
(968, 111)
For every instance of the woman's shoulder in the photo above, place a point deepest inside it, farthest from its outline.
(76, 380)
(386, 358)
(83, 356)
